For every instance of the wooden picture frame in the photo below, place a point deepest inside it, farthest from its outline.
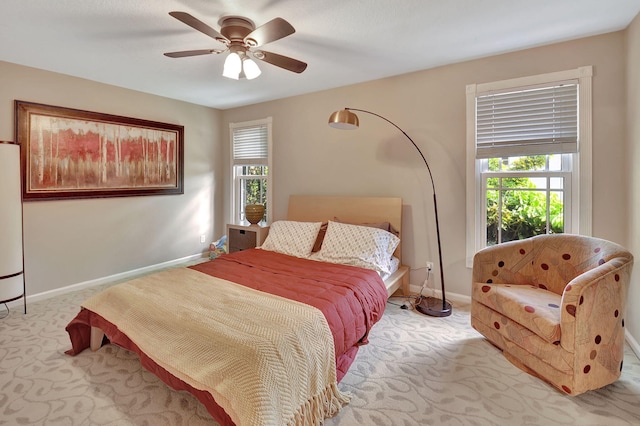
(68, 154)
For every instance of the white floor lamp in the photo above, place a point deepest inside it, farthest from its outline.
(345, 119)
(12, 286)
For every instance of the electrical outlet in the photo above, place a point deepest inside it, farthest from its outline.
(202, 238)
(430, 266)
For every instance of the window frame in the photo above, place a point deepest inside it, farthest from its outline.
(581, 167)
(235, 209)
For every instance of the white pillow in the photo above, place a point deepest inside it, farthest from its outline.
(357, 245)
(292, 238)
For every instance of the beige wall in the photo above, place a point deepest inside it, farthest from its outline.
(376, 160)
(73, 241)
(633, 138)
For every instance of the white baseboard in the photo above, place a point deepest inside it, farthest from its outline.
(111, 278)
(454, 297)
(633, 343)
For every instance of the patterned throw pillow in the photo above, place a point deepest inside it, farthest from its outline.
(357, 245)
(291, 237)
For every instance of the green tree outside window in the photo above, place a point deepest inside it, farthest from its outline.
(524, 207)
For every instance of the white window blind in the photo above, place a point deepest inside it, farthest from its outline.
(528, 122)
(251, 145)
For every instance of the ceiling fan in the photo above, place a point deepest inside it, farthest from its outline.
(241, 38)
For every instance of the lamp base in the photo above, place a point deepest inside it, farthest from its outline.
(434, 307)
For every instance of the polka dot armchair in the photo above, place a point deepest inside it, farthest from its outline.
(555, 305)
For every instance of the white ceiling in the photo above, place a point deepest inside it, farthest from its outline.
(121, 42)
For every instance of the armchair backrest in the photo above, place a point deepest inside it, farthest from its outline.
(559, 258)
(546, 261)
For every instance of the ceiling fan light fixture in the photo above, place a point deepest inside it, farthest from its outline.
(232, 66)
(251, 69)
(240, 36)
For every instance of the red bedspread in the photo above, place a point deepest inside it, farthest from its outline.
(351, 299)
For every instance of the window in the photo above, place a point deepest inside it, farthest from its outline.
(250, 166)
(525, 196)
(529, 157)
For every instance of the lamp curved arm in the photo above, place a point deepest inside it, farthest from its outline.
(429, 310)
(433, 187)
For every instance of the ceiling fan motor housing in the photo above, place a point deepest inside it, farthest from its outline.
(236, 28)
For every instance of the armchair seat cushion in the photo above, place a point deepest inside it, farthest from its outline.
(514, 338)
(534, 308)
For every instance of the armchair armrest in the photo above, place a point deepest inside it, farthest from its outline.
(592, 314)
(506, 263)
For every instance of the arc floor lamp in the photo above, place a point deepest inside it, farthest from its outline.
(346, 119)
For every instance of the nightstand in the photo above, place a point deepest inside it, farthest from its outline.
(242, 237)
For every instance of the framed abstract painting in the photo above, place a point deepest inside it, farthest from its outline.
(68, 153)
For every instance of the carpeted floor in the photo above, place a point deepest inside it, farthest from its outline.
(417, 370)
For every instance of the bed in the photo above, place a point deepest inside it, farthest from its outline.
(270, 332)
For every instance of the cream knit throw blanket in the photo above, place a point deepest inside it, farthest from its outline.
(265, 359)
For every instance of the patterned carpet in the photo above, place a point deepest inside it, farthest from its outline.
(417, 370)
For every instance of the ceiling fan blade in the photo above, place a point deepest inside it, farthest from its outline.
(197, 25)
(271, 31)
(185, 53)
(281, 61)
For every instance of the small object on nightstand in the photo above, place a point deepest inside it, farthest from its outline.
(254, 213)
(243, 237)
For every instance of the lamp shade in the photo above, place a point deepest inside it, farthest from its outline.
(250, 68)
(344, 119)
(232, 66)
